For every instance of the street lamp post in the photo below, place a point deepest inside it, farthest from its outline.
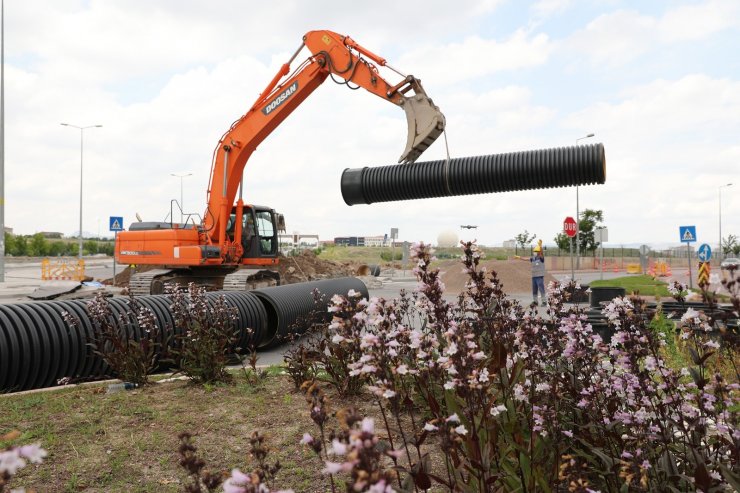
(82, 131)
(719, 253)
(181, 176)
(2, 141)
(578, 216)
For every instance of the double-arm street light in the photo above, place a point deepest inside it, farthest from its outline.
(82, 131)
(182, 208)
(719, 253)
(578, 215)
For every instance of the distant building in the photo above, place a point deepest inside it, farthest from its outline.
(8, 230)
(509, 244)
(367, 241)
(51, 234)
(298, 241)
(349, 241)
(376, 241)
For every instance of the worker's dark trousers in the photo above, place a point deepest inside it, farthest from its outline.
(538, 283)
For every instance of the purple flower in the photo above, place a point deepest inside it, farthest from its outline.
(461, 430)
(368, 425)
(338, 448)
(33, 452)
(10, 462)
(237, 482)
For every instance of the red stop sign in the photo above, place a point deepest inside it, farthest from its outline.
(569, 226)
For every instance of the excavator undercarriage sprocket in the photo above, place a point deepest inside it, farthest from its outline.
(246, 279)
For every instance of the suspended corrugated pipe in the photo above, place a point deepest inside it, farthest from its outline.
(527, 170)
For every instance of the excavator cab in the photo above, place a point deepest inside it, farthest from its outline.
(260, 228)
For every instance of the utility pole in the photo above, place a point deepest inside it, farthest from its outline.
(82, 131)
(578, 215)
(2, 141)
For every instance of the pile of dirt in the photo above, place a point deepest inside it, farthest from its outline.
(306, 266)
(515, 275)
(123, 277)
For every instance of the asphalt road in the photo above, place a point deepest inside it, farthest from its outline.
(22, 277)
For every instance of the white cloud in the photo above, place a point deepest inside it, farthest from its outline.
(167, 78)
(618, 37)
(546, 8)
(478, 57)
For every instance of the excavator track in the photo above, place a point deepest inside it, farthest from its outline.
(246, 279)
(141, 283)
(153, 281)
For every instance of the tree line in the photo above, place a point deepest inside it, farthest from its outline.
(589, 221)
(39, 246)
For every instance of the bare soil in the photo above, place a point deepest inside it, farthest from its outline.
(515, 275)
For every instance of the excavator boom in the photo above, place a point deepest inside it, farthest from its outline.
(236, 234)
(331, 55)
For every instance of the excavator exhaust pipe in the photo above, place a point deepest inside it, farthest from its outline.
(424, 119)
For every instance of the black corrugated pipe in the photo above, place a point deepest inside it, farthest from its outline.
(527, 170)
(252, 318)
(38, 346)
(287, 306)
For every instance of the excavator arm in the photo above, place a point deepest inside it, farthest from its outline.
(331, 55)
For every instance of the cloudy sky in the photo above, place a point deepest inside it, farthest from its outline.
(658, 83)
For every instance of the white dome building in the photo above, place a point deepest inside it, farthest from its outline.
(447, 239)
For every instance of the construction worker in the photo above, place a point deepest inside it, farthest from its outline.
(538, 273)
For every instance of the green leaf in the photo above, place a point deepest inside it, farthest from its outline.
(526, 467)
(701, 476)
(730, 476)
(694, 356)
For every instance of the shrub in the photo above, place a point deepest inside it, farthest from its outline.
(518, 402)
(206, 334)
(131, 360)
(390, 256)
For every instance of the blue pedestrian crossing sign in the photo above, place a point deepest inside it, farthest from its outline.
(687, 233)
(116, 223)
(704, 252)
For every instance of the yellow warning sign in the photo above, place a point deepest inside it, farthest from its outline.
(703, 275)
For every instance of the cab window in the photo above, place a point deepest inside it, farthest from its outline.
(266, 232)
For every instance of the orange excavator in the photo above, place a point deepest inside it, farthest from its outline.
(235, 243)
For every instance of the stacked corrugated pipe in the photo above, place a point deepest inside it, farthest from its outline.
(39, 346)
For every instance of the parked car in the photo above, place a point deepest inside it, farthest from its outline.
(730, 262)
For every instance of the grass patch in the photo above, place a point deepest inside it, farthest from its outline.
(127, 441)
(645, 285)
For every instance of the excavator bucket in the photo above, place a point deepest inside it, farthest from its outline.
(425, 123)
